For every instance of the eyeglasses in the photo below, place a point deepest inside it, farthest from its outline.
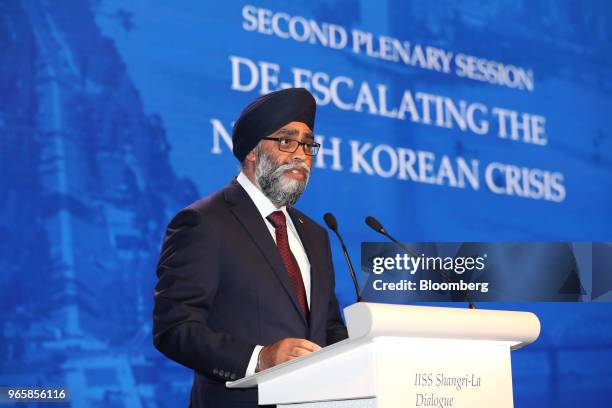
(291, 145)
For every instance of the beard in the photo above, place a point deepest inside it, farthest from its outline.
(280, 189)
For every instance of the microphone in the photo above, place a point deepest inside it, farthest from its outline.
(332, 224)
(377, 226)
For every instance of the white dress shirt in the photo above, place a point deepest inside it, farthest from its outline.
(265, 208)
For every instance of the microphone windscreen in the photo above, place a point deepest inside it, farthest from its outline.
(374, 224)
(330, 221)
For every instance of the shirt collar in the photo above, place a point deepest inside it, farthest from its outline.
(263, 203)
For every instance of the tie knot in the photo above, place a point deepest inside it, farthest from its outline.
(277, 219)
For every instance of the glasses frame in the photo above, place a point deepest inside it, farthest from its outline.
(302, 144)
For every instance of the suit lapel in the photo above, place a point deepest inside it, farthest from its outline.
(314, 258)
(247, 214)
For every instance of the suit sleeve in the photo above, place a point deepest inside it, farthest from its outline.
(189, 274)
(336, 330)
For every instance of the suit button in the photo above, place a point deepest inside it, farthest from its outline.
(233, 376)
(221, 372)
(215, 371)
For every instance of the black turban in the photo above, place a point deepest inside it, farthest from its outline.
(268, 113)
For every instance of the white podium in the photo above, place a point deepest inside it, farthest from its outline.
(405, 356)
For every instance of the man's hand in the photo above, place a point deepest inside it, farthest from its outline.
(284, 350)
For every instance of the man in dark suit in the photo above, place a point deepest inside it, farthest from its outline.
(246, 281)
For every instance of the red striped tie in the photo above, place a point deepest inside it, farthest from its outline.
(277, 219)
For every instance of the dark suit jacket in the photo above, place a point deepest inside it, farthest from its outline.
(222, 289)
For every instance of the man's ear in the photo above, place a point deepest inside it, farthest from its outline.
(252, 156)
